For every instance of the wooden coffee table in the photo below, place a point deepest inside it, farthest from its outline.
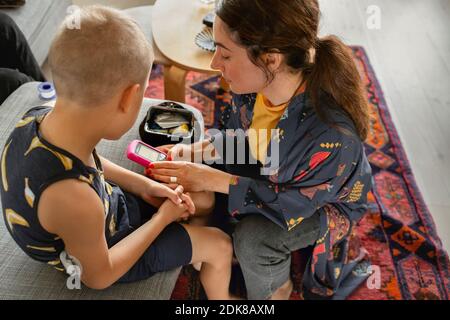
(175, 23)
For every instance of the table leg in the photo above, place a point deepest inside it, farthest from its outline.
(175, 83)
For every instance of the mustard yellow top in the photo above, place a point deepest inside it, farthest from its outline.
(265, 118)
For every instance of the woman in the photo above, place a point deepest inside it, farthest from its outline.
(306, 90)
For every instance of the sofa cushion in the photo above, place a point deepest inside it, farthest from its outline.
(23, 278)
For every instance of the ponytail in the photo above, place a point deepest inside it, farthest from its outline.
(335, 72)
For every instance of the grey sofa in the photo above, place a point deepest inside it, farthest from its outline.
(23, 278)
(38, 20)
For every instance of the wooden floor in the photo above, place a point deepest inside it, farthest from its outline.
(411, 58)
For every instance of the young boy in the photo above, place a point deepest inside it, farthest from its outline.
(55, 196)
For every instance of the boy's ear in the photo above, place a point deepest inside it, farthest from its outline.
(128, 97)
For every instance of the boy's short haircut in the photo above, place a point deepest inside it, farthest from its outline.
(107, 53)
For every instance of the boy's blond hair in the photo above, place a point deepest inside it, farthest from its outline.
(108, 52)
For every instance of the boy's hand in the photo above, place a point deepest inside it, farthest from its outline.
(151, 190)
(186, 199)
(189, 203)
(176, 212)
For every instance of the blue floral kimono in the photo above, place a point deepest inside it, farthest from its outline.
(322, 170)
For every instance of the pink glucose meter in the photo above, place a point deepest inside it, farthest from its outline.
(144, 154)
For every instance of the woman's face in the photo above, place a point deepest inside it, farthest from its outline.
(232, 60)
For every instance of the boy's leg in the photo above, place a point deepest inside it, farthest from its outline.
(204, 205)
(16, 53)
(178, 245)
(214, 249)
(170, 250)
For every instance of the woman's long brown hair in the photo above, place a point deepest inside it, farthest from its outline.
(290, 27)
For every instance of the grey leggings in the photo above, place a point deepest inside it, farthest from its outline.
(264, 251)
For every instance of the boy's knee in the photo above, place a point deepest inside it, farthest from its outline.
(210, 201)
(205, 203)
(223, 242)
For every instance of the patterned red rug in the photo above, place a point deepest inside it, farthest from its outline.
(398, 231)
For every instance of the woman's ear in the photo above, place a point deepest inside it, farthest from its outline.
(272, 60)
(129, 97)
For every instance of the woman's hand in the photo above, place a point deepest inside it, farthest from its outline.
(182, 152)
(190, 152)
(193, 177)
(187, 174)
(166, 149)
(178, 152)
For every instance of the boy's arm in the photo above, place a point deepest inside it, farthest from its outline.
(126, 179)
(151, 191)
(81, 225)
